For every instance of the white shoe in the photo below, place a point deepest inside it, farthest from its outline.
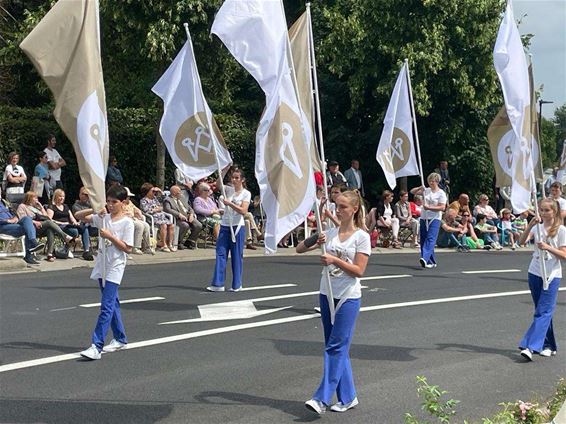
(215, 289)
(340, 407)
(430, 266)
(137, 251)
(173, 248)
(547, 352)
(527, 354)
(315, 406)
(422, 262)
(235, 290)
(91, 353)
(113, 346)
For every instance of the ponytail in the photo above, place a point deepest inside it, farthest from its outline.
(355, 199)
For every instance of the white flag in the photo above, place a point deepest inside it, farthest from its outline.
(396, 149)
(184, 125)
(512, 69)
(255, 32)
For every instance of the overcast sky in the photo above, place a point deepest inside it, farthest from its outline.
(546, 19)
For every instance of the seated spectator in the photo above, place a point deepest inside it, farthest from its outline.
(150, 204)
(59, 212)
(556, 194)
(252, 231)
(207, 209)
(487, 232)
(521, 222)
(406, 220)
(42, 172)
(44, 227)
(14, 179)
(186, 185)
(329, 211)
(471, 238)
(452, 233)
(484, 208)
(382, 216)
(185, 216)
(82, 209)
(17, 227)
(257, 210)
(507, 228)
(141, 227)
(113, 176)
(416, 206)
(462, 204)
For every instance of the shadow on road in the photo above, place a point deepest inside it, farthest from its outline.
(467, 348)
(39, 346)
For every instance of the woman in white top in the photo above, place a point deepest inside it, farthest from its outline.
(348, 249)
(434, 203)
(552, 245)
(237, 202)
(14, 179)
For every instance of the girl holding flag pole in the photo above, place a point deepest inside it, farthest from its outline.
(348, 250)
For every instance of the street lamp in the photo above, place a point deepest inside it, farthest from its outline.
(540, 103)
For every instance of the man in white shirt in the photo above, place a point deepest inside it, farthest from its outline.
(55, 162)
(354, 177)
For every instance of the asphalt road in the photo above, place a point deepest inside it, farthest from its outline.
(254, 362)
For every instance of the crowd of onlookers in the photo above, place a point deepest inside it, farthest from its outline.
(176, 219)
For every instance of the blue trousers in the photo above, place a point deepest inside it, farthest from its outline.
(225, 245)
(23, 227)
(540, 334)
(109, 315)
(428, 239)
(337, 377)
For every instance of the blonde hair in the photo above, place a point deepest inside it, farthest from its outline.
(356, 200)
(56, 194)
(557, 220)
(433, 176)
(28, 197)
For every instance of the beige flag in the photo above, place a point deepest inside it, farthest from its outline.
(65, 49)
(298, 36)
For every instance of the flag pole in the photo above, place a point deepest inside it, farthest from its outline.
(533, 118)
(414, 121)
(210, 128)
(316, 209)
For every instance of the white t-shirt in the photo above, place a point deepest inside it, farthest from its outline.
(433, 198)
(387, 211)
(562, 203)
(53, 156)
(14, 171)
(238, 199)
(552, 263)
(343, 284)
(115, 258)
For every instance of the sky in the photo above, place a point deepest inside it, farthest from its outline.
(546, 19)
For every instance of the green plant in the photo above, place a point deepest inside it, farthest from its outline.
(432, 403)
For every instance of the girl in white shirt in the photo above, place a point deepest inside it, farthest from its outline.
(552, 246)
(348, 249)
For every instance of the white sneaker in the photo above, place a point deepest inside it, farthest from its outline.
(137, 251)
(340, 407)
(430, 266)
(173, 248)
(91, 353)
(527, 354)
(235, 290)
(215, 289)
(422, 262)
(315, 406)
(113, 346)
(547, 352)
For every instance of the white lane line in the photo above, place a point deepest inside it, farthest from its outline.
(491, 271)
(141, 299)
(239, 327)
(386, 277)
(63, 309)
(274, 286)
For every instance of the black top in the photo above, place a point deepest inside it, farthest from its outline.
(61, 216)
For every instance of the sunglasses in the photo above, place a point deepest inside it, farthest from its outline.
(466, 214)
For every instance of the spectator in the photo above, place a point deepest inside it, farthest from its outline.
(59, 212)
(556, 195)
(12, 226)
(142, 243)
(150, 204)
(487, 231)
(354, 177)
(186, 185)
(451, 233)
(206, 207)
(41, 172)
(14, 179)
(406, 220)
(333, 175)
(82, 209)
(44, 227)
(484, 208)
(471, 238)
(185, 217)
(113, 175)
(521, 222)
(507, 228)
(462, 204)
(330, 209)
(416, 206)
(55, 163)
(444, 183)
(382, 216)
(553, 178)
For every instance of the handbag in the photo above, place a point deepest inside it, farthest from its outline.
(61, 252)
(41, 217)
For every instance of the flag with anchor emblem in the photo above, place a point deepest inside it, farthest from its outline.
(396, 149)
(64, 47)
(184, 125)
(255, 32)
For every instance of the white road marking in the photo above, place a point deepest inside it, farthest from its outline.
(141, 299)
(491, 271)
(239, 327)
(63, 309)
(386, 277)
(274, 286)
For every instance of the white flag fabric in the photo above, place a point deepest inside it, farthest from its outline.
(65, 49)
(396, 149)
(184, 125)
(512, 69)
(255, 32)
